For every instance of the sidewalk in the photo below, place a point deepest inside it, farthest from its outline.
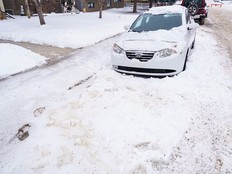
(50, 52)
(18, 57)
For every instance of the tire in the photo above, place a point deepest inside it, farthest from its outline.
(193, 44)
(185, 62)
(201, 21)
(193, 9)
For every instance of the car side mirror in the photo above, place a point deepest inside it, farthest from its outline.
(192, 26)
(127, 27)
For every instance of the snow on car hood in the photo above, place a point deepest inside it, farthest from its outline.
(152, 40)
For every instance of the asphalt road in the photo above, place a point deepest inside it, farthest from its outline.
(221, 22)
(209, 129)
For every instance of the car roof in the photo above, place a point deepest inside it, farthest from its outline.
(166, 9)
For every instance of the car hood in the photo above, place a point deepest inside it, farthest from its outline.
(152, 40)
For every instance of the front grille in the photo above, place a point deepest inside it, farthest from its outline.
(146, 70)
(141, 56)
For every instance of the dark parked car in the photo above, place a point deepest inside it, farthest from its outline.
(197, 8)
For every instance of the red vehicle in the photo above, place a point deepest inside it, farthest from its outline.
(197, 8)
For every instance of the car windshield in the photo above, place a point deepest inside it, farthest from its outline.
(150, 22)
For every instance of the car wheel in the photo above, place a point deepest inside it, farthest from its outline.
(185, 62)
(201, 21)
(193, 44)
(193, 9)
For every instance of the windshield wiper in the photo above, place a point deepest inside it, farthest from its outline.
(137, 31)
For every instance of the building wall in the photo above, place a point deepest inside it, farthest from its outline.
(49, 6)
(79, 4)
(10, 6)
(93, 5)
(118, 4)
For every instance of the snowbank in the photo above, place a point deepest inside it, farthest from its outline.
(15, 59)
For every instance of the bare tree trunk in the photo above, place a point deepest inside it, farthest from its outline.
(2, 10)
(156, 1)
(100, 8)
(135, 6)
(100, 12)
(39, 11)
(2, 15)
(27, 9)
(150, 3)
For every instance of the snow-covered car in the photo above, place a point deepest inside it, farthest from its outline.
(157, 43)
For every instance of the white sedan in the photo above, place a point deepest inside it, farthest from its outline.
(157, 43)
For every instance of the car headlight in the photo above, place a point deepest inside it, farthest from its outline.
(118, 49)
(165, 52)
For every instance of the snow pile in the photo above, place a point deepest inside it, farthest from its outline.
(67, 30)
(15, 59)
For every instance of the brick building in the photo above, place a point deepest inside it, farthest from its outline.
(16, 7)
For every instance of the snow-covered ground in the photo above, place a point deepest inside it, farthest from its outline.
(62, 30)
(86, 118)
(227, 5)
(16, 59)
(67, 30)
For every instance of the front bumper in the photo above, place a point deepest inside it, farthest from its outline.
(203, 14)
(156, 66)
(199, 16)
